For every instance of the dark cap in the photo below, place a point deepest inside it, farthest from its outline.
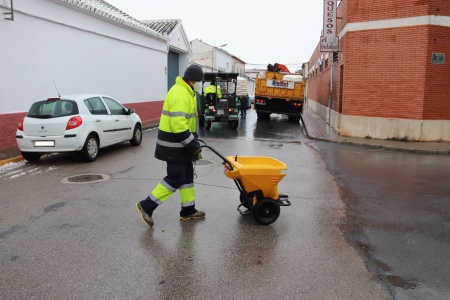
(193, 73)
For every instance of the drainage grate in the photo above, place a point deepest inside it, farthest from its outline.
(85, 178)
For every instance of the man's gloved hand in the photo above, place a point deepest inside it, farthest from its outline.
(198, 153)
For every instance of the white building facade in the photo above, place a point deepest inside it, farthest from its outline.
(82, 46)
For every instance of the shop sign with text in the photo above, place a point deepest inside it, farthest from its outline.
(329, 41)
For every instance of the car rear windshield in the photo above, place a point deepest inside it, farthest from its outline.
(53, 109)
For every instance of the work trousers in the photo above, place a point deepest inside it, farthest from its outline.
(180, 176)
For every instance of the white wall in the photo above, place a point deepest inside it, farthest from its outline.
(82, 52)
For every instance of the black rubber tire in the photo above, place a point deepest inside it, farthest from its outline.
(263, 116)
(208, 124)
(31, 156)
(293, 119)
(137, 136)
(233, 124)
(201, 121)
(266, 211)
(90, 149)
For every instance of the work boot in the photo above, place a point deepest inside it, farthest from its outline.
(197, 215)
(145, 216)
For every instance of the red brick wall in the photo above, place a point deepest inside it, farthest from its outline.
(8, 123)
(388, 72)
(369, 10)
(149, 112)
(384, 72)
(437, 76)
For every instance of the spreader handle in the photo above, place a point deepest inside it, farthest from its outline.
(226, 162)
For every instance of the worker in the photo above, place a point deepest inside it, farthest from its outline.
(177, 145)
(212, 88)
(243, 106)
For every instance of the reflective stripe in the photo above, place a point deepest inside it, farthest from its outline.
(162, 192)
(186, 204)
(154, 199)
(188, 140)
(169, 144)
(186, 186)
(168, 186)
(178, 114)
(187, 194)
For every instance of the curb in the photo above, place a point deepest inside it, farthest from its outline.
(10, 160)
(386, 147)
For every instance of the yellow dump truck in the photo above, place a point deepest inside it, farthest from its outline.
(279, 93)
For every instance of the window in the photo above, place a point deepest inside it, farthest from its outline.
(53, 109)
(96, 106)
(335, 56)
(114, 107)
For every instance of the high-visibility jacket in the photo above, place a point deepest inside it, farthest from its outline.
(178, 125)
(211, 89)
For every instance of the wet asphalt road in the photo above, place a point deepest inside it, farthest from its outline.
(398, 216)
(86, 241)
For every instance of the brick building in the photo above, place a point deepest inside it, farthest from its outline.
(391, 76)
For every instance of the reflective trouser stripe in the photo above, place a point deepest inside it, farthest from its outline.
(162, 192)
(187, 195)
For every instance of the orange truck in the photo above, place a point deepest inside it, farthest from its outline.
(279, 92)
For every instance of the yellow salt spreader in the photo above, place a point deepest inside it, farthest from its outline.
(257, 179)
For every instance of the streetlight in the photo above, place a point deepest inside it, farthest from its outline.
(212, 56)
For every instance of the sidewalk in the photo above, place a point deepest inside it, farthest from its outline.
(316, 129)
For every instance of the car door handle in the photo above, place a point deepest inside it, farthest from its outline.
(117, 120)
(98, 120)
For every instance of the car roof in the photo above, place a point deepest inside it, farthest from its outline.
(81, 96)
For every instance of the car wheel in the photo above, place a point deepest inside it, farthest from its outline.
(137, 136)
(90, 149)
(31, 156)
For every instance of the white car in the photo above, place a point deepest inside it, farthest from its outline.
(84, 123)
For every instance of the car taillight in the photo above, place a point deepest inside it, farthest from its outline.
(20, 125)
(74, 122)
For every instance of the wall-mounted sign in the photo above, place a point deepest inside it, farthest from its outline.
(329, 41)
(438, 58)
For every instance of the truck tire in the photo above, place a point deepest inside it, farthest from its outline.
(293, 119)
(201, 121)
(263, 116)
(233, 124)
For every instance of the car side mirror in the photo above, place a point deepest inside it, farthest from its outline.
(130, 111)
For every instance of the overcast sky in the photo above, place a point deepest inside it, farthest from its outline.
(257, 31)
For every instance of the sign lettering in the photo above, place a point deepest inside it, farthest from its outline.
(329, 41)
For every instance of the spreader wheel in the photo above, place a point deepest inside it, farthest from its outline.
(266, 211)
